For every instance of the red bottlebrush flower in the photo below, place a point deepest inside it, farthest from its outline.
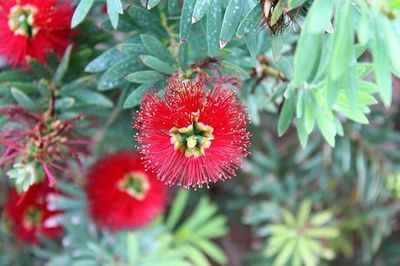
(30, 216)
(31, 28)
(195, 136)
(121, 194)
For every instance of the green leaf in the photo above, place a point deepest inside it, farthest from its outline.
(200, 9)
(230, 21)
(326, 125)
(292, 4)
(64, 103)
(146, 76)
(252, 43)
(306, 57)
(214, 23)
(186, 19)
(322, 232)
(393, 44)
(150, 3)
(321, 218)
(309, 116)
(133, 248)
(81, 12)
(129, 48)
(105, 61)
(135, 97)
(234, 70)
(195, 256)
(343, 43)
(304, 212)
(114, 8)
(63, 67)
(305, 252)
(382, 63)
(250, 23)
(320, 16)
(285, 254)
(155, 48)
(115, 76)
(213, 228)
(13, 75)
(147, 21)
(203, 212)
(23, 100)
(173, 7)
(39, 69)
(302, 133)
(285, 118)
(364, 25)
(277, 12)
(212, 250)
(184, 55)
(156, 64)
(277, 44)
(177, 208)
(92, 98)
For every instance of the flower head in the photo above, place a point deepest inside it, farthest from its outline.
(30, 215)
(31, 28)
(38, 145)
(194, 136)
(121, 194)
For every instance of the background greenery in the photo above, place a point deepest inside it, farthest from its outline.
(322, 185)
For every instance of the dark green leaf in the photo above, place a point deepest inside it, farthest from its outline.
(231, 21)
(135, 97)
(200, 9)
(186, 19)
(23, 100)
(63, 67)
(285, 118)
(156, 64)
(214, 23)
(146, 76)
(250, 23)
(156, 48)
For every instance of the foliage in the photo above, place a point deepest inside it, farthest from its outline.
(319, 80)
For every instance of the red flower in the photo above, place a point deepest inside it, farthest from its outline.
(30, 215)
(31, 28)
(121, 194)
(194, 137)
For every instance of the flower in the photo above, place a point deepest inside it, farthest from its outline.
(31, 28)
(121, 194)
(38, 145)
(30, 215)
(195, 136)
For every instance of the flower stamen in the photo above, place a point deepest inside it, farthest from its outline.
(21, 20)
(33, 217)
(136, 184)
(193, 139)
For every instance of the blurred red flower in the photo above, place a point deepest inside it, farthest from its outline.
(121, 194)
(30, 216)
(195, 136)
(31, 28)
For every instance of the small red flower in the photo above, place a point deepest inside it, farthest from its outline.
(30, 215)
(121, 194)
(195, 136)
(31, 28)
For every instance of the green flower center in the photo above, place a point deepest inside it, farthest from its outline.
(32, 217)
(136, 184)
(193, 139)
(21, 20)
